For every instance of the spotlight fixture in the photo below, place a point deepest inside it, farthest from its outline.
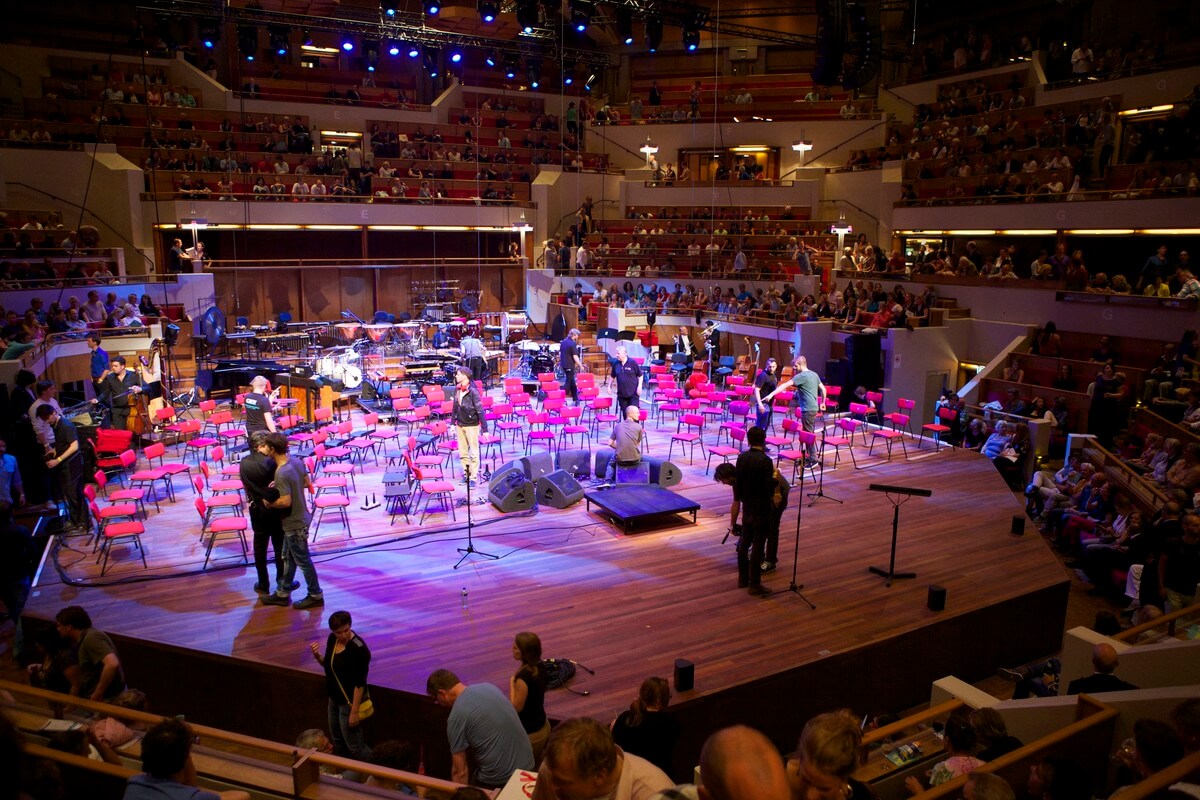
(347, 44)
(210, 34)
(581, 14)
(432, 7)
(568, 71)
(624, 16)
(528, 15)
(414, 51)
(430, 61)
(591, 79)
(511, 62)
(389, 7)
(247, 41)
(306, 37)
(279, 39)
(654, 33)
(456, 56)
(533, 72)
(492, 58)
(488, 11)
(691, 38)
(393, 48)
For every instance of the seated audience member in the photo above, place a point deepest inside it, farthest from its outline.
(987, 786)
(582, 761)
(998, 442)
(976, 435)
(1156, 746)
(1057, 778)
(1011, 460)
(647, 729)
(1104, 662)
(959, 742)
(400, 755)
(1179, 566)
(826, 758)
(1014, 373)
(739, 763)
(169, 771)
(992, 733)
(317, 740)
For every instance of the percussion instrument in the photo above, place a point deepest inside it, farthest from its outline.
(352, 376)
(348, 330)
(528, 346)
(553, 347)
(325, 365)
(513, 326)
(377, 333)
(407, 331)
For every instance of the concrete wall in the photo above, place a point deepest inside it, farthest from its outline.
(1170, 662)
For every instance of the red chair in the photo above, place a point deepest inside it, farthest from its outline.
(324, 483)
(232, 435)
(862, 411)
(230, 503)
(430, 488)
(833, 395)
(601, 415)
(574, 427)
(726, 452)
(330, 460)
(890, 435)
(146, 478)
(130, 510)
(689, 432)
(796, 451)
(904, 409)
(543, 435)
(116, 465)
(198, 443)
(215, 528)
(843, 437)
(947, 418)
(219, 486)
(173, 468)
(804, 441)
(739, 410)
(119, 495)
(875, 402)
(109, 532)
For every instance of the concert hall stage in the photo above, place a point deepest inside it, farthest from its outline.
(625, 606)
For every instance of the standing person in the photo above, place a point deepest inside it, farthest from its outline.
(583, 258)
(473, 355)
(628, 376)
(346, 661)
(66, 467)
(468, 421)
(753, 490)
(99, 358)
(727, 474)
(152, 375)
(810, 397)
(292, 481)
(626, 441)
(647, 729)
(654, 96)
(12, 493)
(684, 344)
(17, 562)
(712, 336)
(117, 390)
(177, 256)
(765, 384)
(483, 724)
(100, 676)
(257, 404)
(257, 472)
(568, 359)
(527, 691)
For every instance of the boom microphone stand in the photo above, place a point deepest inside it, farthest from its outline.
(470, 550)
(820, 492)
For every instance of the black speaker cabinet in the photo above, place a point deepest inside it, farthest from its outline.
(538, 465)
(509, 490)
(576, 462)
(663, 472)
(863, 350)
(937, 598)
(685, 675)
(558, 490)
(603, 456)
(1018, 525)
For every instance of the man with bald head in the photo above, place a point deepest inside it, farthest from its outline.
(257, 404)
(1105, 662)
(739, 763)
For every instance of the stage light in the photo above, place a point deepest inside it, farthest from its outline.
(279, 39)
(247, 41)
(568, 71)
(533, 72)
(528, 16)
(456, 56)
(654, 33)
(587, 86)
(306, 38)
(432, 7)
(491, 58)
(210, 34)
(511, 62)
(393, 48)
(691, 39)
(488, 11)
(430, 61)
(581, 15)
(389, 7)
(414, 51)
(625, 24)
(370, 48)
(347, 45)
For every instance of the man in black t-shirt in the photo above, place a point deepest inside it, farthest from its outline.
(257, 472)
(628, 377)
(568, 359)
(66, 466)
(764, 385)
(258, 407)
(754, 486)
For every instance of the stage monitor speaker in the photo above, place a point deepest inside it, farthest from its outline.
(514, 464)
(511, 491)
(937, 598)
(576, 462)
(369, 394)
(663, 472)
(1018, 525)
(558, 490)
(505, 473)
(538, 465)
(603, 456)
(863, 351)
(638, 473)
(685, 675)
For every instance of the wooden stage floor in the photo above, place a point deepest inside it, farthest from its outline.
(624, 606)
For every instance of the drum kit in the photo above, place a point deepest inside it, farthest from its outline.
(534, 357)
(338, 364)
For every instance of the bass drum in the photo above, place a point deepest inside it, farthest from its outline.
(512, 326)
(352, 376)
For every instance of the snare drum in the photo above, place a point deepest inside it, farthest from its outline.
(325, 366)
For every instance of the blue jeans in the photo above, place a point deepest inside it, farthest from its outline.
(763, 418)
(347, 741)
(295, 554)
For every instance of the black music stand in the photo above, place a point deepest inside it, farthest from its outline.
(902, 494)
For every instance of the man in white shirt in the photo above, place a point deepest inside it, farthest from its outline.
(583, 257)
(1081, 59)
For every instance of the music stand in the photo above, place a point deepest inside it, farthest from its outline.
(902, 494)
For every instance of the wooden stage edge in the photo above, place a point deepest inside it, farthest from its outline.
(625, 606)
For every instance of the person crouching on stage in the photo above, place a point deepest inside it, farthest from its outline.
(468, 420)
(258, 407)
(627, 442)
(754, 486)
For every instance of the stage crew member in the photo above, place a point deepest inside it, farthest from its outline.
(292, 484)
(117, 390)
(66, 466)
(765, 383)
(257, 471)
(628, 376)
(810, 396)
(258, 407)
(568, 359)
(754, 491)
(473, 355)
(627, 442)
(468, 419)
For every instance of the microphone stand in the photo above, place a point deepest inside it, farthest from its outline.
(794, 587)
(470, 550)
(819, 494)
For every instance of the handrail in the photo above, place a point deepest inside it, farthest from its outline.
(60, 703)
(222, 265)
(880, 735)
(1090, 195)
(1133, 634)
(270, 94)
(247, 197)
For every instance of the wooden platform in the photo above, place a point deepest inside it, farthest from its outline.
(624, 606)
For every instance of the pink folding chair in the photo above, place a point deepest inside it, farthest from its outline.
(689, 432)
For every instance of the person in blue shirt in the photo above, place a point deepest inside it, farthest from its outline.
(99, 360)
